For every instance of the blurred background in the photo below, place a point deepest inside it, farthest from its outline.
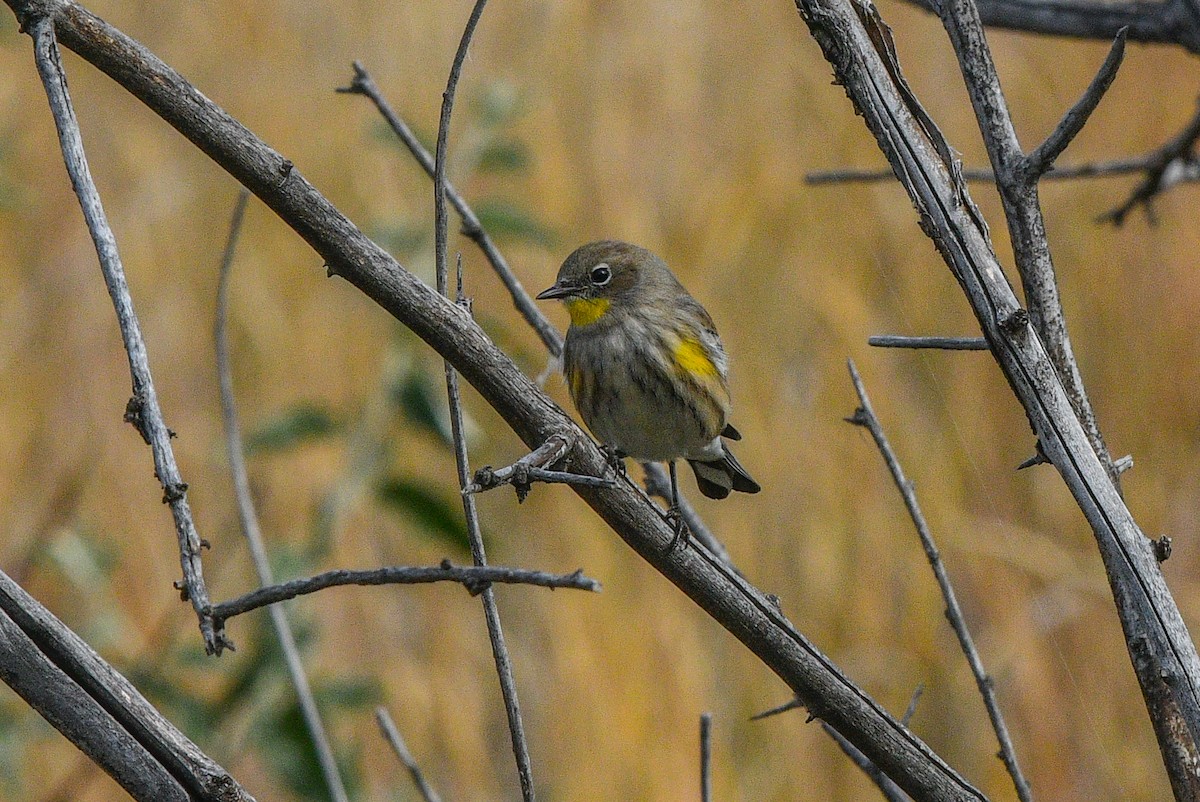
(688, 128)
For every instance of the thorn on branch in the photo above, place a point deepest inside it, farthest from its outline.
(859, 418)
(1037, 459)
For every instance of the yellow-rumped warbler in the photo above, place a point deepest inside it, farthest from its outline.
(645, 366)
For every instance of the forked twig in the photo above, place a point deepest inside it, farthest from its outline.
(865, 416)
(508, 686)
(534, 467)
(143, 410)
(249, 519)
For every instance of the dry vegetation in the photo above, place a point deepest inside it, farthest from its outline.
(685, 127)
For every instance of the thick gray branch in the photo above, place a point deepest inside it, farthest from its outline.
(1169, 22)
(99, 711)
(746, 612)
(1164, 658)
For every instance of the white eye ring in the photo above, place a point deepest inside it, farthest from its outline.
(601, 274)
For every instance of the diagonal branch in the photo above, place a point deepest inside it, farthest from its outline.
(748, 613)
(1164, 658)
(1172, 163)
(143, 410)
(508, 685)
(1044, 155)
(249, 519)
(1151, 21)
(865, 416)
(1018, 189)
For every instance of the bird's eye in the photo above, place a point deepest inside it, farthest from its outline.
(601, 274)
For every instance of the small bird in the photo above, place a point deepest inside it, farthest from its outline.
(646, 368)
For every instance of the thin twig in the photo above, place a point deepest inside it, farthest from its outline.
(891, 792)
(1018, 189)
(250, 525)
(911, 710)
(474, 577)
(1171, 164)
(364, 84)
(1116, 167)
(656, 475)
(790, 704)
(942, 343)
(706, 757)
(1043, 156)
(491, 612)
(865, 416)
(388, 727)
(533, 467)
(143, 410)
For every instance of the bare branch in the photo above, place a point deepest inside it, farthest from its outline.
(388, 727)
(865, 416)
(533, 467)
(941, 343)
(249, 519)
(891, 792)
(1116, 167)
(1161, 650)
(143, 410)
(1171, 164)
(1022, 210)
(99, 710)
(706, 757)
(1044, 156)
(749, 614)
(364, 84)
(508, 685)
(1152, 21)
(474, 578)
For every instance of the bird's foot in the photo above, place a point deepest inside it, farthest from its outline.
(615, 459)
(682, 533)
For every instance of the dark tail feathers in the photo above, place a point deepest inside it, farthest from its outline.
(720, 476)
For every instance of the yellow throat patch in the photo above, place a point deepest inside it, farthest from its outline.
(586, 311)
(692, 360)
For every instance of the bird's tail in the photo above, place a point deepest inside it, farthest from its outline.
(716, 478)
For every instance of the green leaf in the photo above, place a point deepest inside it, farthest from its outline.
(420, 402)
(300, 424)
(402, 240)
(504, 220)
(439, 517)
(504, 157)
(499, 104)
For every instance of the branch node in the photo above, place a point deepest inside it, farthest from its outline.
(135, 416)
(1162, 548)
(1015, 321)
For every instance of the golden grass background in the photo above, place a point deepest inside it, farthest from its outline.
(684, 127)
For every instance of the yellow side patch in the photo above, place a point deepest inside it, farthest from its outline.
(691, 358)
(586, 311)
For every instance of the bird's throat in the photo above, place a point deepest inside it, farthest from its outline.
(586, 311)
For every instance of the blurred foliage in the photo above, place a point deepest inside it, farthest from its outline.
(687, 128)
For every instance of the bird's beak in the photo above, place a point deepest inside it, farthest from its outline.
(557, 291)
